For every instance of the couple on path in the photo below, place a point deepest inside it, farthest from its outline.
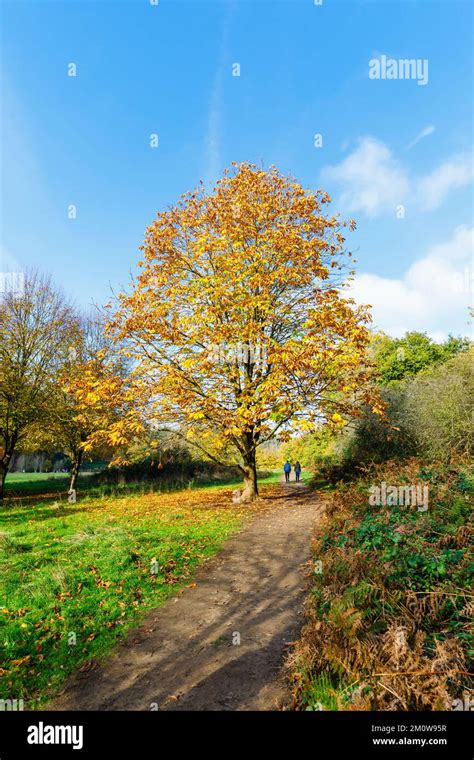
(287, 470)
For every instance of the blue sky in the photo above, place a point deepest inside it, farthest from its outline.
(395, 155)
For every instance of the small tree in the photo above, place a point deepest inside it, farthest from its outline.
(237, 324)
(36, 327)
(94, 410)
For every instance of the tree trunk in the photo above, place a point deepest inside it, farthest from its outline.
(3, 475)
(75, 467)
(5, 461)
(249, 469)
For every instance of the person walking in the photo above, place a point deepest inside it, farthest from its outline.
(297, 471)
(287, 470)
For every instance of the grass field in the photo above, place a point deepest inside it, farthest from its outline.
(18, 483)
(75, 577)
(51, 484)
(20, 478)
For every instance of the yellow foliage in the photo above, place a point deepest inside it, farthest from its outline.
(237, 325)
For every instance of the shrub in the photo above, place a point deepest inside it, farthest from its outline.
(430, 415)
(389, 615)
(439, 406)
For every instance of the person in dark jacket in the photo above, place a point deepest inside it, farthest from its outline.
(287, 470)
(297, 471)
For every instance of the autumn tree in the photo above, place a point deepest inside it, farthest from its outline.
(237, 324)
(76, 421)
(36, 326)
(98, 410)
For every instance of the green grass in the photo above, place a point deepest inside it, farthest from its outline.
(18, 483)
(319, 484)
(20, 478)
(75, 577)
(56, 485)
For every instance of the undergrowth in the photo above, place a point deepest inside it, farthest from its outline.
(391, 603)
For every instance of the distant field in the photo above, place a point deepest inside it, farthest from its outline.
(40, 482)
(18, 484)
(34, 477)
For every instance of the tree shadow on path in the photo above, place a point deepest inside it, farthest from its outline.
(221, 644)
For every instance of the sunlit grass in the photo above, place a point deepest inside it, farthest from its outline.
(75, 577)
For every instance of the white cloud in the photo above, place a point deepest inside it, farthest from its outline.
(372, 181)
(423, 133)
(434, 188)
(369, 178)
(214, 120)
(213, 154)
(432, 296)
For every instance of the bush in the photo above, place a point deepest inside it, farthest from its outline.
(430, 415)
(171, 471)
(377, 440)
(439, 407)
(389, 614)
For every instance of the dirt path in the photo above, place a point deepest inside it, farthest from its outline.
(183, 656)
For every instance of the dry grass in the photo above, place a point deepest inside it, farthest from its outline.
(389, 618)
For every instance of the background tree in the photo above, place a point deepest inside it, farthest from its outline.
(100, 410)
(78, 422)
(428, 408)
(398, 358)
(237, 324)
(36, 328)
